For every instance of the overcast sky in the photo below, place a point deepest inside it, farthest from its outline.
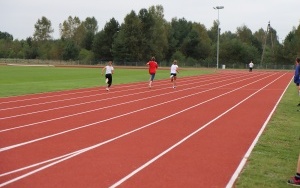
(17, 17)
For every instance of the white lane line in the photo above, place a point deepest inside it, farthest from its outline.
(115, 117)
(60, 93)
(68, 99)
(73, 154)
(118, 86)
(71, 115)
(66, 92)
(76, 91)
(185, 138)
(246, 156)
(78, 104)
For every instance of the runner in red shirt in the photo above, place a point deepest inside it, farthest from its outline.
(152, 64)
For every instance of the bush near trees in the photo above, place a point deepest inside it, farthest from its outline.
(147, 33)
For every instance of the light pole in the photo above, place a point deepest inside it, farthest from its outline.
(218, 7)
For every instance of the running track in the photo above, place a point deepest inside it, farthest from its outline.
(197, 135)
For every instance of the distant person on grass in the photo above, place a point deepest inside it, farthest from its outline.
(295, 180)
(152, 64)
(109, 70)
(297, 75)
(174, 72)
(251, 65)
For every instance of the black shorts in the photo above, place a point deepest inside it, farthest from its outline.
(174, 74)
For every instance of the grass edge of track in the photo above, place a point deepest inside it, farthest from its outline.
(274, 158)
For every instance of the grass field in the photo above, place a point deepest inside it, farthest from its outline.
(272, 161)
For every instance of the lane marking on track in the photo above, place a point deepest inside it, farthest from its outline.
(184, 139)
(246, 156)
(93, 110)
(61, 107)
(115, 117)
(62, 117)
(88, 96)
(73, 154)
(66, 92)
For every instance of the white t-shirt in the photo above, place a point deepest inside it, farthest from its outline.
(251, 65)
(108, 69)
(174, 68)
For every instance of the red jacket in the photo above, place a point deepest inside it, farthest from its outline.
(152, 67)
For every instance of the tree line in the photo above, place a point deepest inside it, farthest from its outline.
(147, 33)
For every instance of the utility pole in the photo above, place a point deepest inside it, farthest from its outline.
(265, 42)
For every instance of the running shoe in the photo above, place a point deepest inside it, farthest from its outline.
(293, 181)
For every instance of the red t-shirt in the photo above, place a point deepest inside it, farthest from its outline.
(152, 67)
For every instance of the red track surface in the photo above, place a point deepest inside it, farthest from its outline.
(196, 135)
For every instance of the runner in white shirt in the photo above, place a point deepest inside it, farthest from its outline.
(109, 70)
(251, 65)
(174, 71)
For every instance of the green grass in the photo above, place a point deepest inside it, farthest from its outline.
(272, 161)
(18, 80)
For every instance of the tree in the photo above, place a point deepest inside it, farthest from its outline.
(30, 50)
(128, 41)
(197, 43)
(147, 30)
(91, 25)
(234, 51)
(68, 27)
(291, 45)
(70, 51)
(6, 36)
(213, 32)
(160, 35)
(177, 32)
(244, 34)
(103, 41)
(43, 29)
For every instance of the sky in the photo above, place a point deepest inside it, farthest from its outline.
(18, 17)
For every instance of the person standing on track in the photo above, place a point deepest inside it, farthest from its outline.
(296, 179)
(174, 72)
(152, 64)
(251, 65)
(297, 76)
(109, 70)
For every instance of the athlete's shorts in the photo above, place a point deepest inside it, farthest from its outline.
(173, 74)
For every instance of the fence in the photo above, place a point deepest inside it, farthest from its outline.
(165, 64)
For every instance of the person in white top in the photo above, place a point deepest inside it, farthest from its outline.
(251, 66)
(109, 70)
(174, 72)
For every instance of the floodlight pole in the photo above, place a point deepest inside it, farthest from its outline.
(218, 7)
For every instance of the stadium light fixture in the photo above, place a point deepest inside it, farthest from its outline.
(218, 8)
